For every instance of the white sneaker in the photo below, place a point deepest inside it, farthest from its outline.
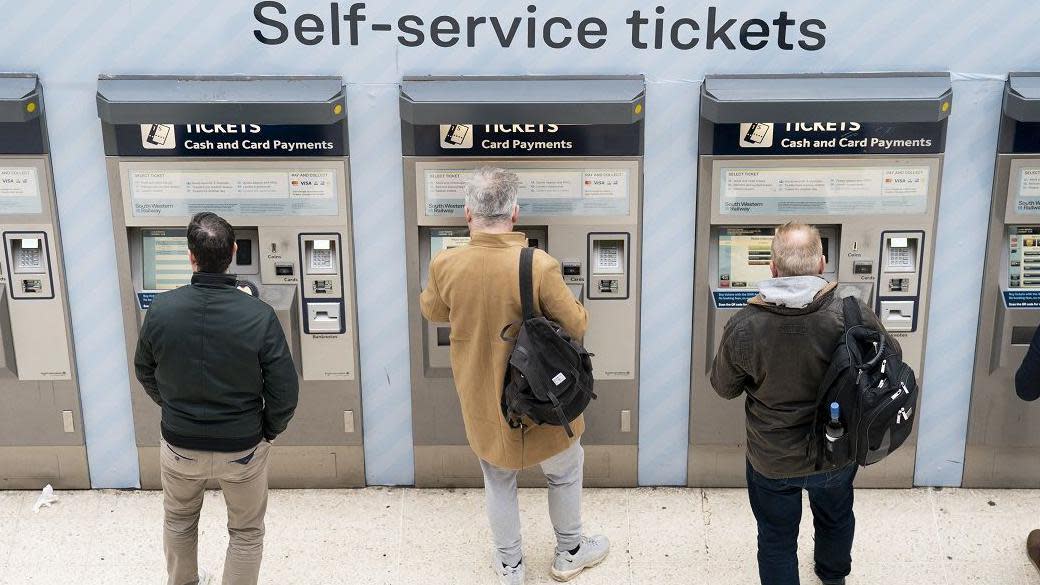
(591, 552)
(509, 575)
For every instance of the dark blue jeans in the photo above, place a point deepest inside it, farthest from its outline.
(777, 504)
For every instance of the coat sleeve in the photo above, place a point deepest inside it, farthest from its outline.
(430, 301)
(144, 360)
(729, 370)
(281, 390)
(558, 302)
(1027, 378)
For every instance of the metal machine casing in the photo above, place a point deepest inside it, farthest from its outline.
(859, 156)
(577, 144)
(41, 423)
(270, 155)
(1001, 442)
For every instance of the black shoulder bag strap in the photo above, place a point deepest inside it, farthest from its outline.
(527, 282)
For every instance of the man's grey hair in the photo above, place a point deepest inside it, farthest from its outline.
(797, 249)
(491, 194)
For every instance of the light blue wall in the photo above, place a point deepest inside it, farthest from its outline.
(69, 43)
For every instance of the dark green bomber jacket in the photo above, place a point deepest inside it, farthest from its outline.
(777, 356)
(216, 360)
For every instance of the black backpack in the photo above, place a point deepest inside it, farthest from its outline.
(549, 376)
(876, 393)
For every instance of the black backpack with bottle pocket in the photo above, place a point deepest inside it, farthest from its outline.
(549, 376)
(876, 394)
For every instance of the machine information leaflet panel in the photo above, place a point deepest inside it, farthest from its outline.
(543, 192)
(1027, 189)
(753, 190)
(20, 191)
(170, 193)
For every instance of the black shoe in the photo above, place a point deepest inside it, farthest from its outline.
(836, 582)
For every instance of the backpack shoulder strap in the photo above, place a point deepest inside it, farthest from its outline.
(850, 310)
(527, 282)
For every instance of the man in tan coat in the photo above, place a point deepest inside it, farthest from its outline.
(476, 289)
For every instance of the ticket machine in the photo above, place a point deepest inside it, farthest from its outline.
(41, 424)
(1001, 442)
(859, 156)
(269, 154)
(577, 146)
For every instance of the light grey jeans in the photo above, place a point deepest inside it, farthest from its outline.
(564, 473)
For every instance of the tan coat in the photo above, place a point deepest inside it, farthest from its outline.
(476, 289)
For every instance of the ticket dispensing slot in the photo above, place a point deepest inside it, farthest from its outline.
(322, 288)
(608, 263)
(30, 272)
(900, 267)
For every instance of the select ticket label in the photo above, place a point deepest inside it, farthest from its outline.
(547, 192)
(823, 190)
(160, 193)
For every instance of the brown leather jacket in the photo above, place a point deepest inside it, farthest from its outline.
(778, 356)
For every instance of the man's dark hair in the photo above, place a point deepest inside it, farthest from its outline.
(211, 240)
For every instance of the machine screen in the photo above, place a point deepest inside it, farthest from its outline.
(744, 256)
(165, 264)
(441, 240)
(1024, 257)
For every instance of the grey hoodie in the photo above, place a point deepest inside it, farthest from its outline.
(795, 292)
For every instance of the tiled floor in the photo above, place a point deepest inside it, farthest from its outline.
(389, 536)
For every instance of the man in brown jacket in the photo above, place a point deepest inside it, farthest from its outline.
(476, 289)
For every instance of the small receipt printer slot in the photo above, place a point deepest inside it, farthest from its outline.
(608, 266)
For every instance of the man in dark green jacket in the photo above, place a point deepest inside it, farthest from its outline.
(775, 352)
(216, 360)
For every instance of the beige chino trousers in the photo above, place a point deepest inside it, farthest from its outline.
(243, 479)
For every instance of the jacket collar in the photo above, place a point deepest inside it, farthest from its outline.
(211, 279)
(489, 240)
(822, 298)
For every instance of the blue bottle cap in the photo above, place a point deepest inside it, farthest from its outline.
(835, 411)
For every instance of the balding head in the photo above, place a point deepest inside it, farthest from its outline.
(797, 251)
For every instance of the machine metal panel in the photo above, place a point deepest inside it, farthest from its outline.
(41, 428)
(876, 209)
(439, 153)
(135, 99)
(519, 100)
(887, 97)
(291, 209)
(1001, 441)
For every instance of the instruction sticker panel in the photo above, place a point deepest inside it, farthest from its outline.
(1027, 202)
(823, 190)
(557, 192)
(19, 191)
(160, 193)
